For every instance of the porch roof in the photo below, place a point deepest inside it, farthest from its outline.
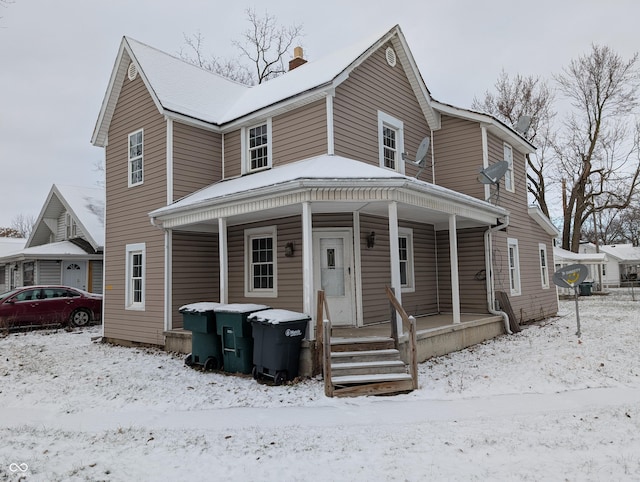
(332, 184)
(55, 251)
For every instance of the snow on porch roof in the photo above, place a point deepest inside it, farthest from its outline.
(561, 255)
(326, 169)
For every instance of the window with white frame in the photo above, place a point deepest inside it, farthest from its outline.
(256, 147)
(390, 142)
(260, 261)
(509, 183)
(544, 272)
(71, 227)
(135, 272)
(136, 158)
(514, 266)
(405, 244)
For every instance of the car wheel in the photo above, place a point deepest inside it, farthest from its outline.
(80, 318)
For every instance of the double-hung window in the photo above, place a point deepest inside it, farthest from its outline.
(260, 260)
(256, 147)
(405, 245)
(544, 273)
(135, 272)
(390, 142)
(136, 158)
(509, 182)
(514, 266)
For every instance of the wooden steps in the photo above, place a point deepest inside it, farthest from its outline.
(367, 366)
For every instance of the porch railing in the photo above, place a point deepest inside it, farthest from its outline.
(408, 323)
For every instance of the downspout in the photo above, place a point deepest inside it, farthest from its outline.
(488, 260)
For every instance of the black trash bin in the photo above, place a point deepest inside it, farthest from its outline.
(277, 335)
(585, 288)
(206, 350)
(235, 335)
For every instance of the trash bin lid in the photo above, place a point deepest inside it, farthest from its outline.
(276, 316)
(200, 307)
(240, 308)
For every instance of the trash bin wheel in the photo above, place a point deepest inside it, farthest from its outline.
(254, 373)
(211, 364)
(188, 360)
(280, 377)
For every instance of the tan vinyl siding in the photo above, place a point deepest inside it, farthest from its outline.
(49, 272)
(232, 154)
(471, 271)
(127, 219)
(196, 271)
(374, 86)
(300, 134)
(197, 159)
(289, 270)
(458, 156)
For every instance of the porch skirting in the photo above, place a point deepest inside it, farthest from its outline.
(431, 342)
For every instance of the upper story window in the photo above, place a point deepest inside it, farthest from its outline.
(260, 262)
(514, 266)
(135, 158)
(390, 142)
(71, 228)
(405, 244)
(508, 177)
(544, 273)
(256, 147)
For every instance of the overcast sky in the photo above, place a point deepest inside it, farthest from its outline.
(56, 58)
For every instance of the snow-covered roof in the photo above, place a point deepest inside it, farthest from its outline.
(178, 87)
(86, 206)
(11, 245)
(624, 253)
(59, 250)
(562, 255)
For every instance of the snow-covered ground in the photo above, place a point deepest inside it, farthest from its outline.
(538, 405)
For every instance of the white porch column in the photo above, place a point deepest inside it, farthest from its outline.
(394, 256)
(168, 276)
(307, 264)
(453, 254)
(224, 260)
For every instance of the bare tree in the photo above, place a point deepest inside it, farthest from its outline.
(265, 44)
(9, 233)
(23, 225)
(630, 221)
(532, 97)
(598, 152)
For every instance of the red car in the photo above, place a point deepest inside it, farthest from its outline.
(31, 306)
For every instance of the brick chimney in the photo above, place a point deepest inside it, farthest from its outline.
(297, 60)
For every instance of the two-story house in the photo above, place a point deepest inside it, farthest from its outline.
(222, 192)
(66, 244)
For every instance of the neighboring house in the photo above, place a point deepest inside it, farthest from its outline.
(221, 192)
(595, 262)
(8, 246)
(66, 245)
(623, 263)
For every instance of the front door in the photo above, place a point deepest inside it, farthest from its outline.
(334, 273)
(74, 274)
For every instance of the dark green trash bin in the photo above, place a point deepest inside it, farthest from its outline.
(585, 288)
(235, 335)
(277, 336)
(206, 349)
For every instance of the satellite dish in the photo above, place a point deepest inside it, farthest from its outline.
(493, 173)
(523, 124)
(423, 149)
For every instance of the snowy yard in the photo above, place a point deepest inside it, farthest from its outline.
(538, 405)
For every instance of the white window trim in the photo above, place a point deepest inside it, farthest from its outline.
(513, 243)
(410, 287)
(249, 234)
(385, 120)
(544, 269)
(244, 147)
(132, 249)
(509, 177)
(129, 159)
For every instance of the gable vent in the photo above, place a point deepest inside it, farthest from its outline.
(132, 72)
(391, 56)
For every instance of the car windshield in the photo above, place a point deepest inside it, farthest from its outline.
(8, 294)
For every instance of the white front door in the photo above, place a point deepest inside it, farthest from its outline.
(74, 274)
(334, 273)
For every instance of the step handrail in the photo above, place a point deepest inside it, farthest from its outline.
(410, 323)
(323, 342)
